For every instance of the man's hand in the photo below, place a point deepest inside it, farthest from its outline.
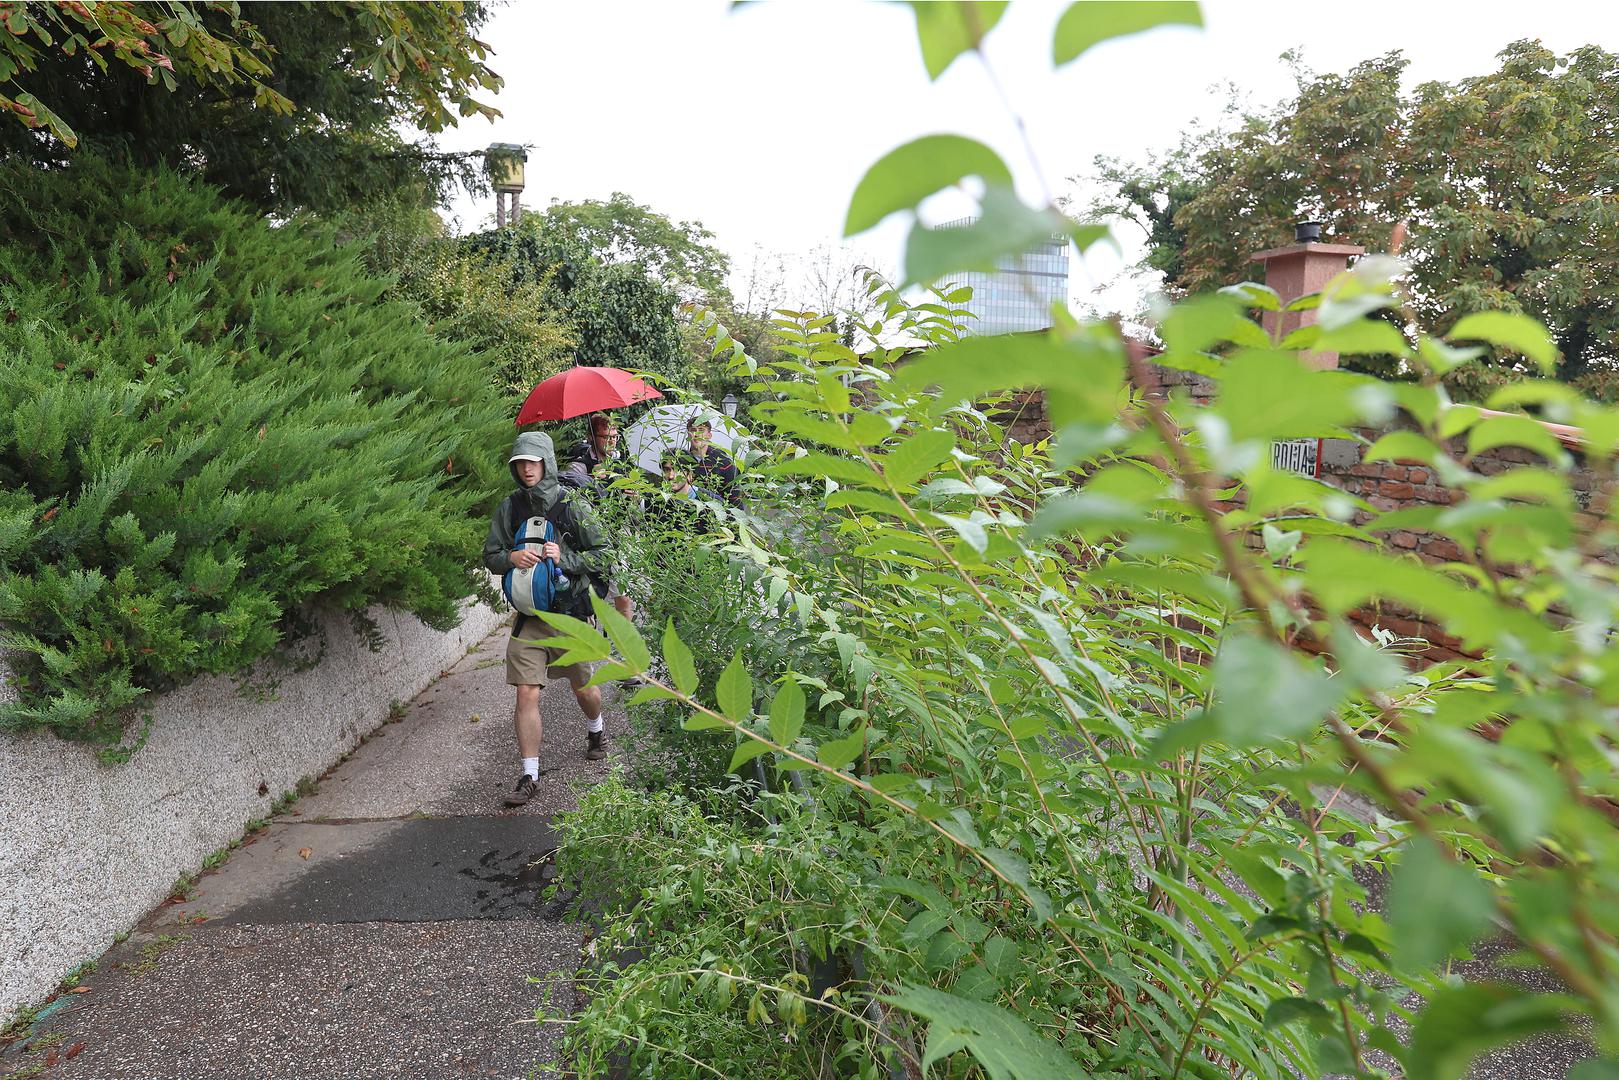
(551, 551)
(524, 559)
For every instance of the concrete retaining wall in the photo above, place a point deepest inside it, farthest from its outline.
(87, 849)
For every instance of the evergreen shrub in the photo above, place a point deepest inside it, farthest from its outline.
(210, 422)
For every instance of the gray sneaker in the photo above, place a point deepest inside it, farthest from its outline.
(596, 745)
(523, 792)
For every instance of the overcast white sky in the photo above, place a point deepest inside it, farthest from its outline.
(759, 122)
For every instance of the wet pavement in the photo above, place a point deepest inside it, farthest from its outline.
(391, 924)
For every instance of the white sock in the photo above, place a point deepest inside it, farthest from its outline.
(593, 726)
(531, 766)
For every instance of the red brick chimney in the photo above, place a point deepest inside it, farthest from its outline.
(1300, 269)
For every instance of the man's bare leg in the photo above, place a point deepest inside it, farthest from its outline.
(626, 608)
(590, 703)
(526, 718)
(589, 699)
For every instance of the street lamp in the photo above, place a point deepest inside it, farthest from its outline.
(729, 405)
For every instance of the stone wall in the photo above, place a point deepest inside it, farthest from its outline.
(87, 849)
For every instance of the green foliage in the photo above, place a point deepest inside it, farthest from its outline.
(1502, 180)
(508, 320)
(725, 921)
(945, 31)
(1064, 783)
(618, 313)
(321, 130)
(681, 254)
(162, 42)
(210, 425)
(1086, 24)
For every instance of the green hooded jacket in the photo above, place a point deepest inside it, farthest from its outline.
(586, 554)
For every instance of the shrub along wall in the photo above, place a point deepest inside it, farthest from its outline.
(209, 424)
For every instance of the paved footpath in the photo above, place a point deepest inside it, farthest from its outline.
(388, 925)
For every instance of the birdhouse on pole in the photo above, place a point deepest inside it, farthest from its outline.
(505, 163)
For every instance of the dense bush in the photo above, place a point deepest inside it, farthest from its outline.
(1084, 807)
(1075, 799)
(209, 422)
(481, 302)
(619, 314)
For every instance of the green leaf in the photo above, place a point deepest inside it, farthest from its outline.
(843, 470)
(1004, 1046)
(1442, 359)
(1264, 692)
(1271, 395)
(44, 115)
(701, 722)
(948, 29)
(1091, 22)
(677, 658)
(840, 752)
(1016, 870)
(576, 638)
(1462, 1022)
(908, 174)
(624, 636)
(1363, 337)
(1510, 331)
(1278, 544)
(1403, 446)
(1286, 1010)
(1202, 322)
(917, 456)
(1004, 229)
(1253, 295)
(735, 691)
(1000, 956)
(650, 693)
(746, 751)
(1087, 370)
(1344, 576)
(787, 712)
(1521, 431)
(1435, 906)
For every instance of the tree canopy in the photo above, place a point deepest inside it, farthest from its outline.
(285, 105)
(1506, 180)
(619, 313)
(616, 230)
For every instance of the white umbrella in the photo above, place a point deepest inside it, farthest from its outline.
(663, 427)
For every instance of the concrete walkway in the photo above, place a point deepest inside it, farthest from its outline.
(388, 925)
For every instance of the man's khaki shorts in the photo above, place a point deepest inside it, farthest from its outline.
(535, 665)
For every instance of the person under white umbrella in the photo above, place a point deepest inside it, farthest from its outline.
(697, 428)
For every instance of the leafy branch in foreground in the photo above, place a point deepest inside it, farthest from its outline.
(1060, 771)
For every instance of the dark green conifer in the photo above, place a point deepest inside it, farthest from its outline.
(209, 423)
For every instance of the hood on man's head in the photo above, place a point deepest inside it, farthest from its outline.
(534, 446)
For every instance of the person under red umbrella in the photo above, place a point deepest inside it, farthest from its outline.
(581, 390)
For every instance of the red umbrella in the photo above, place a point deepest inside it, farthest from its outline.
(582, 390)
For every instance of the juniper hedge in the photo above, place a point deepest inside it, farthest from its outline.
(210, 422)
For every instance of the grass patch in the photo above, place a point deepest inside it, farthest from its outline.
(152, 950)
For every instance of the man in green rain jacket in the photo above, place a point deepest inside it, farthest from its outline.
(574, 544)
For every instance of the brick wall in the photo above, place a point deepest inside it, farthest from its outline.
(1386, 485)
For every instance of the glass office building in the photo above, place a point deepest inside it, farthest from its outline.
(1019, 294)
